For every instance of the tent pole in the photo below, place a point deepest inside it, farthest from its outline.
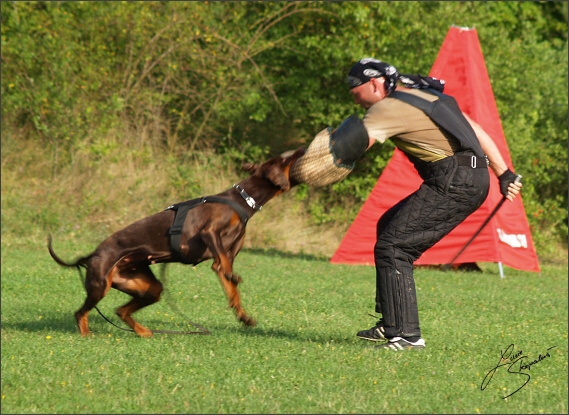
(501, 269)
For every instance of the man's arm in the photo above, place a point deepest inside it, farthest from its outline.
(497, 163)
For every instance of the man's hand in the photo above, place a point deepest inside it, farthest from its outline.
(510, 184)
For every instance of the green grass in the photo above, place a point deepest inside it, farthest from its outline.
(302, 357)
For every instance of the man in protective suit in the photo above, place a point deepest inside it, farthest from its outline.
(451, 154)
(453, 163)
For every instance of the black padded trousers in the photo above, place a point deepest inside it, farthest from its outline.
(448, 195)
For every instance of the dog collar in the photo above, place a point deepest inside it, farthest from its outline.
(250, 201)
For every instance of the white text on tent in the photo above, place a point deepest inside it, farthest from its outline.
(515, 241)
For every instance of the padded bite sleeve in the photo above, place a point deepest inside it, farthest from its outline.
(349, 142)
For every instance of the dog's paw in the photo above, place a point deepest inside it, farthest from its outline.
(248, 321)
(143, 331)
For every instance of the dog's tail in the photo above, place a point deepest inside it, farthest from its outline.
(78, 263)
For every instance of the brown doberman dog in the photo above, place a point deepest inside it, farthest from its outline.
(215, 228)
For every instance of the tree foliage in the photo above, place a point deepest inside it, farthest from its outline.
(248, 78)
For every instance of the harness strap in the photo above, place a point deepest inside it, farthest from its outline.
(182, 210)
(446, 113)
(243, 214)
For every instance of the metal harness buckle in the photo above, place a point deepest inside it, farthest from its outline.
(473, 162)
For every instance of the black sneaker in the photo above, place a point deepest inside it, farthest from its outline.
(399, 343)
(375, 334)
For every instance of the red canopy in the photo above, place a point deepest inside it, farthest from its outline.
(506, 238)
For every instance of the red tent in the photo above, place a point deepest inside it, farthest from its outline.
(506, 239)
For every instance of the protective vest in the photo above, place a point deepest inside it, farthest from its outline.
(446, 113)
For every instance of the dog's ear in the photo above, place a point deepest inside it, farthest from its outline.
(291, 156)
(275, 174)
(249, 167)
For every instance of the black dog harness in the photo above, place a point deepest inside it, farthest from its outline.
(183, 208)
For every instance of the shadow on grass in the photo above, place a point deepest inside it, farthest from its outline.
(257, 332)
(61, 325)
(67, 326)
(272, 252)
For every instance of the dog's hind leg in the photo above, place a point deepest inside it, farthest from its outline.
(145, 289)
(81, 315)
(97, 287)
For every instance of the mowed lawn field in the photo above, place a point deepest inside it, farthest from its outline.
(486, 337)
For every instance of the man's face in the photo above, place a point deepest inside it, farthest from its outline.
(367, 94)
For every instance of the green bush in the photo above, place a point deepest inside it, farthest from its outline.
(102, 85)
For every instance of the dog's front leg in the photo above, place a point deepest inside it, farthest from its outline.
(218, 268)
(223, 267)
(233, 296)
(222, 264)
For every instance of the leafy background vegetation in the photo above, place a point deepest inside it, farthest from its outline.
(113, 110)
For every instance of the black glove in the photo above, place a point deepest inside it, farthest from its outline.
(505, 179)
